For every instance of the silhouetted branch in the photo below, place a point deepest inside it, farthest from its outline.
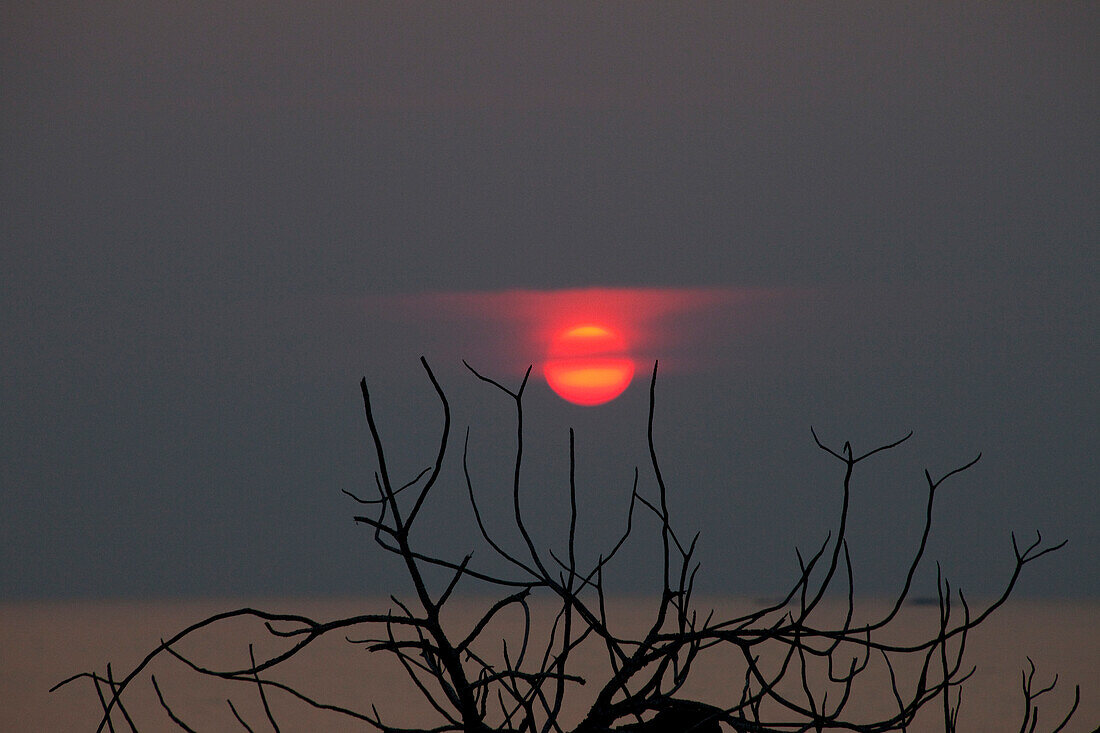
(473, 683)
(163, 704)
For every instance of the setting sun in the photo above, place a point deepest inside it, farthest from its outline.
(588, 365)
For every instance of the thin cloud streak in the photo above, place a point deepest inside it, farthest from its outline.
(512, 328)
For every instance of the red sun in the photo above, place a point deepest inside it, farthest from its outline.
(588, 365)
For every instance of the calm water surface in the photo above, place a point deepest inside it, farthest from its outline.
(44, 642)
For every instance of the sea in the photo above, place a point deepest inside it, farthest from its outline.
(44, 642)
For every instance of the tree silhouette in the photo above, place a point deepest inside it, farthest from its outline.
(474, 682)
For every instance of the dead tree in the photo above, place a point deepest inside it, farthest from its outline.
(476, 683)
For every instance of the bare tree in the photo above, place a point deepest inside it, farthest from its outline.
(474, 682)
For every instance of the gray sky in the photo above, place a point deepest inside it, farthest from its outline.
(215, 219)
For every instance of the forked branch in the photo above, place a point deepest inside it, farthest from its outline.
(473, 681)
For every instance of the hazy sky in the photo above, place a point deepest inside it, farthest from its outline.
(215, 218)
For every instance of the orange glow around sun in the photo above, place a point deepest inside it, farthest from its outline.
(588, 365)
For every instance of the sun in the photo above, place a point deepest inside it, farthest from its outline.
(587, 365)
